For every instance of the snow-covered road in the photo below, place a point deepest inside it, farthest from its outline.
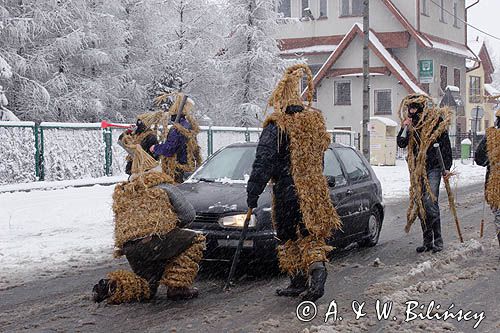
(46, 231)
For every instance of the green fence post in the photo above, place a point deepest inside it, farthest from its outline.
(108, 155)
(247, 135)
(210, 141)
(37, 152)
(41, 158)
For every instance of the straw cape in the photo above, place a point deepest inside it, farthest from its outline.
(492, 192)
(308, 139)
(433, 122)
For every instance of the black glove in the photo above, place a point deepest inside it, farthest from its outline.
(252, 201)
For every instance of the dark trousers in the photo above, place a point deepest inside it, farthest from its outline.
(149, 256)
(432, 227)
(288, 217)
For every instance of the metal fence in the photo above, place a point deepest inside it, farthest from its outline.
(57, 151)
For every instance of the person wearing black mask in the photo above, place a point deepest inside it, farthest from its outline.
(141, 134)
(412, 130)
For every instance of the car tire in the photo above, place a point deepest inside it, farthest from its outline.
(373, 232)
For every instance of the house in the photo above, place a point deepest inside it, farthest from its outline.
(416, 46)
(480, 94)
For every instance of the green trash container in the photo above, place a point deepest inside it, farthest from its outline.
(465, 146)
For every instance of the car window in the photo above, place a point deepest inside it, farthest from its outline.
(332, 168)
(355, 168)
(232, 163)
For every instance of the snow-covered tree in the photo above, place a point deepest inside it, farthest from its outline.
(250, 60)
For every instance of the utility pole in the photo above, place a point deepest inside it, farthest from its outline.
(366, 80)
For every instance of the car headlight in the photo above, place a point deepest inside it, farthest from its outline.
(237, 221)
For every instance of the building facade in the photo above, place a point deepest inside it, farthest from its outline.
(480, 94)
(416, 46)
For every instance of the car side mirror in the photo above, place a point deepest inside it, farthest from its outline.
(331, 181)
(186, 175)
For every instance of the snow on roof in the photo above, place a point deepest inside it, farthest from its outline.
(453, 88)
(378, 45)
(360, 74)
(475, 45)
(460, 50)
(470, 64)
(385, 121)
(491, 90)
(311, 49)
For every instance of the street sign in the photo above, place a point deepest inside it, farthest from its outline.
(426, 71)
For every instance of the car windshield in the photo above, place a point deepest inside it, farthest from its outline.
(229, 164)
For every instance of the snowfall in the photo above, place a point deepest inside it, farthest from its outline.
(48, 227)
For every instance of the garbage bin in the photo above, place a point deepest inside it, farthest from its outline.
(465, 147)
(382, 141)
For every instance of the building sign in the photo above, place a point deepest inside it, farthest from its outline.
(426, 71)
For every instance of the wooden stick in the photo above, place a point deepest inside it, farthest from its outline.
(451, 199)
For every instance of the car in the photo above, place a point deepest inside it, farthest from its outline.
(217, 191)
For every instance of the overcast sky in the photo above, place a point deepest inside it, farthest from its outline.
(486, 16)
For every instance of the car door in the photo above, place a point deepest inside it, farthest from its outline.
(339, 193)
(360, 183)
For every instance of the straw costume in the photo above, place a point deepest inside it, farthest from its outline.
(488, 155)
(149, 213)
(290, 153)
(429, 125)
(180, 151)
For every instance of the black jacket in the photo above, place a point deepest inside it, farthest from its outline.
(481, 157)
(272, 161)
(432, 161)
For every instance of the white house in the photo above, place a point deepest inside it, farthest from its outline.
(416, 46)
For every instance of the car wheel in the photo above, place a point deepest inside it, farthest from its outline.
(373, 230)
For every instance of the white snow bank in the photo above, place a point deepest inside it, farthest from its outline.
(47, 185)
(395, 180)
(46, 231)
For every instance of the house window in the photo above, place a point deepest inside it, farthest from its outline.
(342, 92)
(383, 102)
(443, 71)
(305, 4)
(303, 83)
(456, 78)
(424, 8)
(442, 11)
(285, 8)
(475, 89)
(351, 7)
(455, 15)
(323, 8)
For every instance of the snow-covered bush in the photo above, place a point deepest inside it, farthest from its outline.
(17, 155)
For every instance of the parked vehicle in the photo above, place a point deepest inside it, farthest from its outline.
(217, 191)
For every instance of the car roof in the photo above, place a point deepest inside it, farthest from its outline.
(253, 143)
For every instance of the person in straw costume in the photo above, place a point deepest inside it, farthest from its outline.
(149, 212)
(142, 134)
(488, 155)
(422, 126)
(290, 153)
(180, 151)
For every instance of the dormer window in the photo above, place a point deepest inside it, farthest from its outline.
(351, 8)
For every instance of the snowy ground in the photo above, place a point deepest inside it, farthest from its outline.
(395, 179)
(48, 231)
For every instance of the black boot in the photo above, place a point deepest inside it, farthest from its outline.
(318, 275)
(424, 248)
(102, 290)
(298, 284)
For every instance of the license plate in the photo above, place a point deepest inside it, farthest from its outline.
(234, 243)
